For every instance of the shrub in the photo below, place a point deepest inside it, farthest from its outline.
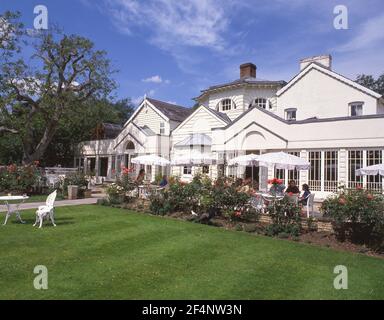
(77, 179)
(250, 227)
(358, 215)
(22, 179)
(115, 193)
(285, 218)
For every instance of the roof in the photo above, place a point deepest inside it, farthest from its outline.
(223, 116)
(195, 140)
(329, 72)
(241, 81)
(171, 111)
(111, 130)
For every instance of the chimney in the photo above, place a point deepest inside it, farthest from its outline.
(247, 70)
(324, 60)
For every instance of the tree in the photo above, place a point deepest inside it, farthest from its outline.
(10, 32)
(370, 82)
(66, 72)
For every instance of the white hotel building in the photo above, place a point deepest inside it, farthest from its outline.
(319, 115)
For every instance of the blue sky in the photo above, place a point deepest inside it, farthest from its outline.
(172, 49)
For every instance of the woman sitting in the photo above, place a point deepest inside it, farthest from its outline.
(304, 198)
(292, 188)
(164, 182)
(140, 178)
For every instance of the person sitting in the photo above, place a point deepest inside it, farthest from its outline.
(304, 198)
(292, 188)
(164, 182)
(247, 186)
(141, 176)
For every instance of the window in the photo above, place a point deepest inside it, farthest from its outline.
(315, 171)
(162, 128)
(356, 109)
(130, 146)
(260, 103)
(294, 174)
(374, 182)
(113, 165)
(205, 169)
(290, 114)
(226, 105)
(355, 161)
(187, 170)
(330, 171)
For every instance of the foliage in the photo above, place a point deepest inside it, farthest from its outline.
(117, 192)
(66, 71)
(370, 82)
(285, 218)
(358, 215)
(20, 178)
(77, 179)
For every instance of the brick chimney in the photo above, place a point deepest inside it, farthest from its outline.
(247, 70)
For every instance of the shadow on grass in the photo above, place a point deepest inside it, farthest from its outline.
(46, 222)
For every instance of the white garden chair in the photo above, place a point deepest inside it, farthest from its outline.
(46, 211)
(310, 201)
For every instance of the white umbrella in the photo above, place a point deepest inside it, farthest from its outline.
(151, 160)
(194, 159)
(371, 170)
(244, 160)
(282, 160)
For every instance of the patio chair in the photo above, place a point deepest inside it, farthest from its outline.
(47, 211)
(309, 205)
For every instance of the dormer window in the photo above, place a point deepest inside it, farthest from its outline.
(259, 102)
(226, 105)
(290, 114)
(356, 109)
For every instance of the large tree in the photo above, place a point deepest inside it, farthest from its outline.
(64, 73)
(370, 82)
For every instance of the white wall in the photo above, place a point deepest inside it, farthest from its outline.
(319, 95)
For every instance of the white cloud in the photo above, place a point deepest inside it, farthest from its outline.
(196, 23)
(370, 34)
(154, 79)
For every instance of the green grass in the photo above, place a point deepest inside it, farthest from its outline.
(101, 252)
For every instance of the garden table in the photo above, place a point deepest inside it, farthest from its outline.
(13, 203)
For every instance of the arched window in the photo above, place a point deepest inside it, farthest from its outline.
(259, 102)
(226, 105)
(130, 146)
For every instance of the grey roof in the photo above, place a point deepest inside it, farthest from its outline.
(223, 116)
(195, 140)
(148, 131)
(111, 130)
(249, 80)
(171, 111)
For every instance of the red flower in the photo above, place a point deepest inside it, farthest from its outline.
(369, 196)
(342, 201)
(275, 181)
(36, 163)
(237, 213)
(359, 187)
(290, 193)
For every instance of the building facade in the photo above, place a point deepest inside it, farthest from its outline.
(329, 120)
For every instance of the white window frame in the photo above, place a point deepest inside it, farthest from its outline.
(290, 111)
(162, 127)
(356, 104)
(229, 107)
(187, 170)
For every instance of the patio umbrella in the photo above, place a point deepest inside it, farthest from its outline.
(371, 170)
(282, 160)
(194, 159)
(245, 160)
(151, 160)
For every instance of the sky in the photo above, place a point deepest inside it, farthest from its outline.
(172, 49)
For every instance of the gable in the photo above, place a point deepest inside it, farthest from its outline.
(201, 121)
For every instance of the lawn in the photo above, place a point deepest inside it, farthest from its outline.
(101, 252)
